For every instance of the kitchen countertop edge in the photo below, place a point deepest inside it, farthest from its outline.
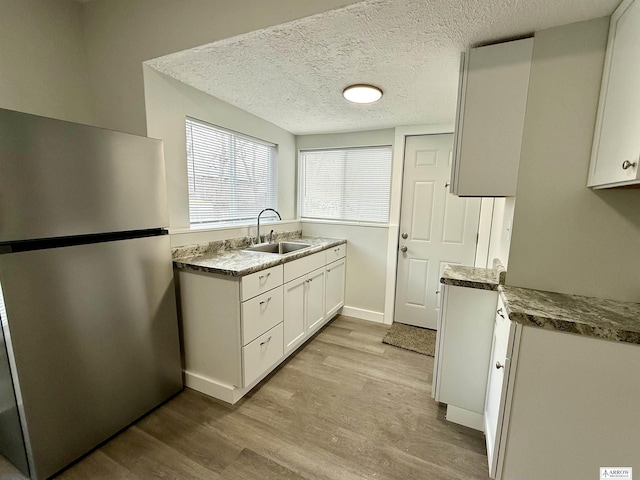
(252, 261)
(595, 317)
(474, 277)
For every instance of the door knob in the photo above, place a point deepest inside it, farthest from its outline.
(405, 235)
(499, 365)
(403, 249)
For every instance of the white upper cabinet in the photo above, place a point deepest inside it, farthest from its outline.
(492, 99)
(616, 144)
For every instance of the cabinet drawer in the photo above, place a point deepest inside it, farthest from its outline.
(335, 253)
(261, 282)
(260, 314)
(303, 265)
(262, 354)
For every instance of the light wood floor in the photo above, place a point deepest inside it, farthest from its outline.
(344, 407)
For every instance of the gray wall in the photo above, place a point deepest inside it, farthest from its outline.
(121, 34)
(567, 237)
(169, 101)
(42, 59)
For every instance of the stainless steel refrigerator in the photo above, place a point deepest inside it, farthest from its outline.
(87, 300)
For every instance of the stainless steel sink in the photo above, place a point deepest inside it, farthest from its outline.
(281, 248)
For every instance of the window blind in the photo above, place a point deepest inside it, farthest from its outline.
(351, 184)
(231, 176)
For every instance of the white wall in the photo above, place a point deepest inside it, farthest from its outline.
(168, 102)
(121, 34)
(501, 229)
(367, 245)
(43, 68)
(567, 237)
(366, 266)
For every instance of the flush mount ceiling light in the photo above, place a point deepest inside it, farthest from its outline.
(362, 93)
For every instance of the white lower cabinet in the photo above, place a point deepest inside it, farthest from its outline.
(463, 347)
(303, 308)
(236, 330)
(262, 353)
(560, 405)
(335, 275)
(499, 367)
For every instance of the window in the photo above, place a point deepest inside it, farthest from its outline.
(231, 176)
(351, 184)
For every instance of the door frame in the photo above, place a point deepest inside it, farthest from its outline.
(397, 173)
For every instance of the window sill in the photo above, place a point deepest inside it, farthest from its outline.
(216, 227)
(343, 222)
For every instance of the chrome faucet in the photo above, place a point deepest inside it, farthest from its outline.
(266, 210)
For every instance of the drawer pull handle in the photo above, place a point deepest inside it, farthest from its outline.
(499, 365)
(499, 312)
(336, 249)
(627, 164)
(265, 301)
(266, 341)
(264, 276)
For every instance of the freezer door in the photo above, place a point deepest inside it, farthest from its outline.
(62, 179)
(94, 336)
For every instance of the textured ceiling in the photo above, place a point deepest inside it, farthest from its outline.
(293, 74)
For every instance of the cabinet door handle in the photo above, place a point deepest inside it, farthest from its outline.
(498, 364)
(627, 164)
(499, 312)
(265, 301)
(266, 341)
(264, 276)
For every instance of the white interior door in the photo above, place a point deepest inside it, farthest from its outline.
(436, 228)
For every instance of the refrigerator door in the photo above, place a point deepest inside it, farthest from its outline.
(64, 179)
(94, 335)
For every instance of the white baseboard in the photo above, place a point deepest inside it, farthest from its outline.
(363, 314)
(465, 417)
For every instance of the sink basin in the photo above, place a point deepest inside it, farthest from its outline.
(281, 248)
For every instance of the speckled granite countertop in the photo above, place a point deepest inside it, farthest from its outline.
(595, 317)
(472, 277)
(227, 257)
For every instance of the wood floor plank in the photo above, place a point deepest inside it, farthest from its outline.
(344, 407)
(147, 457)
(251, 466)
(193, 440)
(97, 465)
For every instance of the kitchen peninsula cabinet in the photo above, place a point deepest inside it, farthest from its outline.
(236, 328)
(463, 343)
(492, 99)
(615, 156)
(562, 396)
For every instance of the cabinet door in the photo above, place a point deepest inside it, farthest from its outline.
(497, 387)
(294, 321)
(315, 300)
(616, 139)
(491, 109)
(334, 298)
